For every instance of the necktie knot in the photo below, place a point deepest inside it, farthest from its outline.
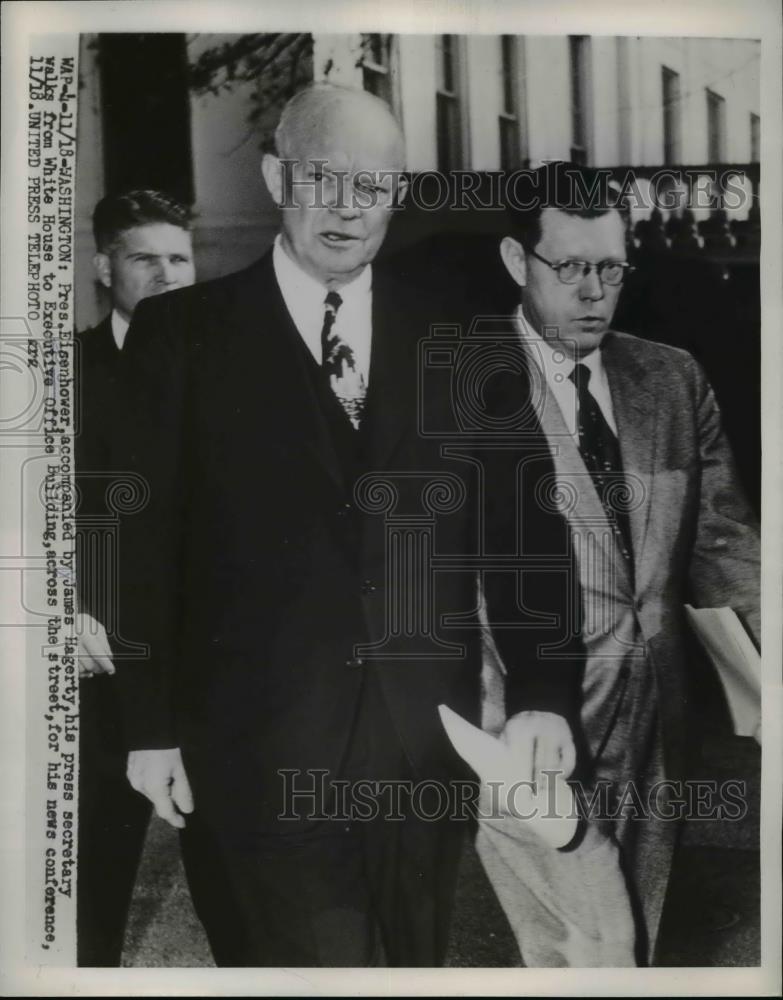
(580, 376)
(333, 301)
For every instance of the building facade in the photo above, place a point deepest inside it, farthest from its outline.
(197, 121)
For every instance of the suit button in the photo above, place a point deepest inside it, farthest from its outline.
(355, 662)
(345, 510)
(368, 587)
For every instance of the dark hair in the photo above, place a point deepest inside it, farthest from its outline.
(582, 191)
(117, 213)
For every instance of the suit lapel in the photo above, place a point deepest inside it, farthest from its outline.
(393, 367)
(635, 412)
(261, 315)
(586, 513)
(103, 336)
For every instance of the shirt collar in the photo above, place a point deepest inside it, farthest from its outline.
(557, 366)
(552, 360)
(119, 328)
(296, 283)
(304, 298)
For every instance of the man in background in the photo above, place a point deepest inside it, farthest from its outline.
(143, 247)
(654, 506)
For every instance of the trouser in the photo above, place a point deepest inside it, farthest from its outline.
(350, 891)
(621, 722)
(113, 821)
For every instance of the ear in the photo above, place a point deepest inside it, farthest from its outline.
(402, 190)
(102, 266)
(272, 169)
(513, 255)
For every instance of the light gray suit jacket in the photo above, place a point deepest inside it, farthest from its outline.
(694, 539)
(694, 535)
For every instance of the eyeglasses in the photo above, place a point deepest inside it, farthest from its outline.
(610, 272)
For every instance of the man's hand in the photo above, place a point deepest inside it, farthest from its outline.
(94, 649)
(160, 775)
(540, 741)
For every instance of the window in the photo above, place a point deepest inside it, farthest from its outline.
(146, 127)
(716, 128)
(580, 73)
(449, 104)
(379, 68)
(509, 120)
(755, 138)
(671, 115)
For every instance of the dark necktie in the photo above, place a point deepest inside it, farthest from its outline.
(339, 365)
(600, 452)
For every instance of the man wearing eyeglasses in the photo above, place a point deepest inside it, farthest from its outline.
(655, 510)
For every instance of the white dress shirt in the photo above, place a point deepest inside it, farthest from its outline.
(304, 298)
(119, 328)
(557, 366)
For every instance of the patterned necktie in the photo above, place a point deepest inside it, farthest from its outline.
(339, 365)
(600, 452)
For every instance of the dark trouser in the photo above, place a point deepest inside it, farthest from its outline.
(363, 894)
(350, 892)
(113, 821)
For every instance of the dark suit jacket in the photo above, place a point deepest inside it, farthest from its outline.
(97, 363)
(97, 367)
(259, 563)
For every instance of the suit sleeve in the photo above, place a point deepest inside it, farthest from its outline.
(86, 462)
(149, 449)
(725, 563)
(542, 650)
(535, 613)
(91, 443)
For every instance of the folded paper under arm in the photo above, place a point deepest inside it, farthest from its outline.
(737, 661)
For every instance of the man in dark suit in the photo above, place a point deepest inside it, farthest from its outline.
(653, 502)
(297, 637)
(144, 247)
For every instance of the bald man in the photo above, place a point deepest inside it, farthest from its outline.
(274, 414)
